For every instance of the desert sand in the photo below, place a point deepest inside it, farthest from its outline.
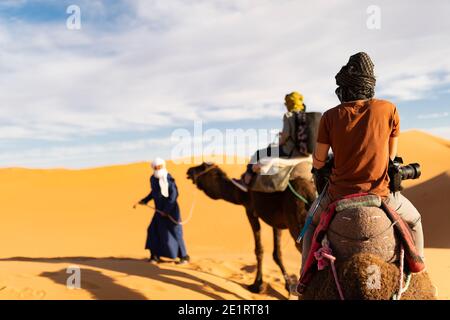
(53, 219)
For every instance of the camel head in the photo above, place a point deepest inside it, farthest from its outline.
(194, 173)
(209, 178)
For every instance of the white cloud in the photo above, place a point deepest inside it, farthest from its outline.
(13, 3)
(168, 63)
(85, 155)
(433, 115)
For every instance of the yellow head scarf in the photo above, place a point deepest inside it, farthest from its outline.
(294, 102)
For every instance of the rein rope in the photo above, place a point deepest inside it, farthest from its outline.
(325, 257)
(197, 175)
(296, 193)
(191, 211)
(166, 215)
(402, 289)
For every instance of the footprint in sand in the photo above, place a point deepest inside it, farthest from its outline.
(40, 294)
(237, 276)
(27, 293)
(159, 288)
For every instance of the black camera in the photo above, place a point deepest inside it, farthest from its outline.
(399, 172)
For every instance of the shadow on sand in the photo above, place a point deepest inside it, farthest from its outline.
(101, 286)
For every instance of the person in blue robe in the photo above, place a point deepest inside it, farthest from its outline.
(165, 233)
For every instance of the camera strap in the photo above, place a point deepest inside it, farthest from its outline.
(312, 213)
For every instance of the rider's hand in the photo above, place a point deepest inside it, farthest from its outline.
(138, 203)
(256, 168)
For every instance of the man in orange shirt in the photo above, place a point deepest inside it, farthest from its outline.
(363, 135)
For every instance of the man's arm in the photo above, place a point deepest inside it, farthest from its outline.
(284, 134)
(393, 140)
(283, 138)
(172, 199)
(147, 198)
(393, 145)
(320, 155)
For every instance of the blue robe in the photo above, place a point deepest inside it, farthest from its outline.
(164, 237)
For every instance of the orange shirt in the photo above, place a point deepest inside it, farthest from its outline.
(358, 133)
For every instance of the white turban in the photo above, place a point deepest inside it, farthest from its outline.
(161, 175)
(158, 162)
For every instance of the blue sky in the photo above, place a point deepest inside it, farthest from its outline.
(115, 90)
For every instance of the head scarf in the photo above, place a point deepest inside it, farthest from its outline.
(161, 175)
(356, 79)
(294, 102)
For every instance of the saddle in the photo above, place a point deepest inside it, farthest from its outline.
(277, 172)
(362, 223)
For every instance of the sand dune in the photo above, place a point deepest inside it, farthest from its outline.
(431, 198)
(431, 152)
(52, 219)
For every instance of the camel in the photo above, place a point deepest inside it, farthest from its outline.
(357, 272)
(280, 210)
(367, 248)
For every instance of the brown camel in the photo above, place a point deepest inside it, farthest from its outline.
(280, 210)
(355, 275)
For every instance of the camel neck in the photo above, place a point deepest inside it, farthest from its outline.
(218, 186)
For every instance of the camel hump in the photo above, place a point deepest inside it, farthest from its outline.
(363, 230)
(302, 170)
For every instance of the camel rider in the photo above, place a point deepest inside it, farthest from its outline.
(287, 147)
(164, 235)
(363, 134)
(294, 103)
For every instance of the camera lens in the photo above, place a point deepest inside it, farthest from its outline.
(410, 171)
